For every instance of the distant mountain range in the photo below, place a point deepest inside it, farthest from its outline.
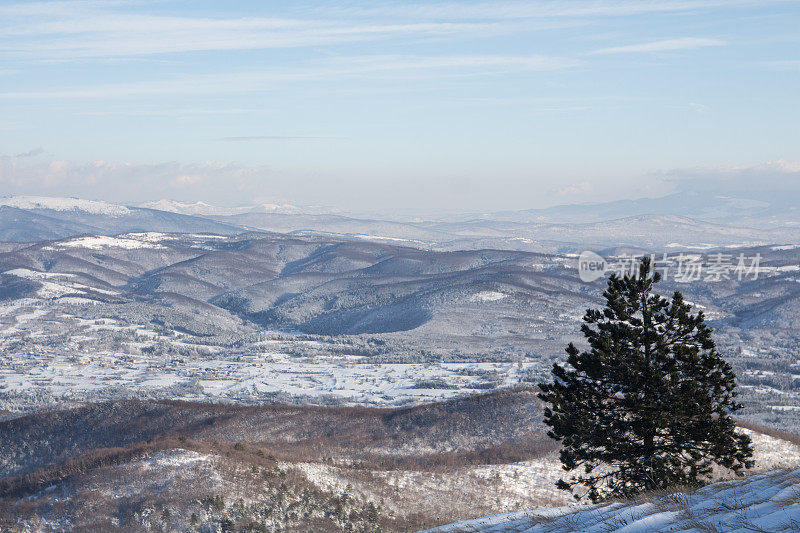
(681, 221)
(755, 210)
(752, 209)
(204, 209)
(32, 219)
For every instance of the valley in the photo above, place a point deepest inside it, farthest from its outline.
(318, 379)
(443, 266)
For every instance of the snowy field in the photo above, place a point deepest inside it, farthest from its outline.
(50, 356)
(41, 367)
(344, 380)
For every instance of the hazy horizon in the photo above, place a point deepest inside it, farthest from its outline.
(385, 106)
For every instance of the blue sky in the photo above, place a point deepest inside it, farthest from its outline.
(376, 105)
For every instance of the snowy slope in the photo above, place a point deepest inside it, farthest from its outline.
(765, 502)
(129, 242)
(192, 208)
(65, 204)
(39, 218)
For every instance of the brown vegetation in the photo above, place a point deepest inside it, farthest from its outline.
(83, 451)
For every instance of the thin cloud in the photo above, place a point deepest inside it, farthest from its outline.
(542, 8)
(784, 64)
(107, 34)
(575, 189)
(337, 68)
(667, 45)
(171, 112)
(375, 63)
(75, 30)
(30, 153)
(271, 138)
(699, 108)
(771, 177)
(130, 181)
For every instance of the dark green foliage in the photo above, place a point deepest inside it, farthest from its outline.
(648, 405)
(227, 525)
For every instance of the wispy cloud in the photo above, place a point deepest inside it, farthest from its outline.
(30, 153)
(335, 68)
(124, 180)
(373, 63)
(541, 8)
(666, 45)
(272, 138)
(79, 30)
(575, 189)
(784, 64)
(699, 108)
(100, 33)
(771, 177)
(171, 112)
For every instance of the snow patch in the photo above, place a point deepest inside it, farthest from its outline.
(37, 275)
(102, 241)
(488, 296)
(175, 458)
(55, 284)
(151, 236)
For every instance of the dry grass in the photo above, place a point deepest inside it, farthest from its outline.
(772, 432)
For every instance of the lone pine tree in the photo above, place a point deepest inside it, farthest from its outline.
(649, 404)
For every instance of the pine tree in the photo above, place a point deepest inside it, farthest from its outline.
(649, 404)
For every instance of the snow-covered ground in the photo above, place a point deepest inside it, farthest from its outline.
(104, 241)
(768, 501)
(347, 380)
(506, 488)
(50, 355)
(503, 487)
(53, 285)
(488, 296)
